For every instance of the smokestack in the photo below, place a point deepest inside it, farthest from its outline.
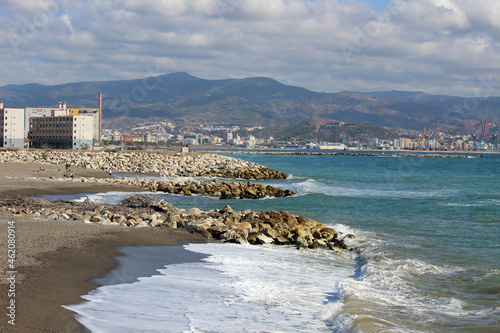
(1, 105)
(100, 118)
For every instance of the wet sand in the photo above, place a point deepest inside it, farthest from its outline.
(55, 260)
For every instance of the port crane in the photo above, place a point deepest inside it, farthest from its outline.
(429, 140)
(422, 139)
(496, 147)
(480, 145)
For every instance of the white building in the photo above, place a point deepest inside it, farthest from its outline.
(250, 143)
(12, 127)
(228, 136)
(63, 132)
(94, 113)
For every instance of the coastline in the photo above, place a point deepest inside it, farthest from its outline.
(55, 260)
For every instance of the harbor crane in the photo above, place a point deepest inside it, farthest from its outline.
(496, 147)
(429, 140)
(480, 145)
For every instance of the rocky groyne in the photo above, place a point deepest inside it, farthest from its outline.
(214, 188)
(244, 227)
(221, 189)
(365, 154)
(169, 165)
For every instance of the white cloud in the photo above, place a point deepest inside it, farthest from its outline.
(439, 46)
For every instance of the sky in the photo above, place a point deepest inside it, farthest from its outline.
(446, 47)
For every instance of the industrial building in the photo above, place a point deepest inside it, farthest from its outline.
(11, 127)
(62, 132)
(64, 128)
(43, 112)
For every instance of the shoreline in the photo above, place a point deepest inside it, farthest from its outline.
(57, 262)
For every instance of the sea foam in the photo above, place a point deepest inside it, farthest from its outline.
(235, 289)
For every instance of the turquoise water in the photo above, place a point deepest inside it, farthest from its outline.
(438, 222)
(427, 239)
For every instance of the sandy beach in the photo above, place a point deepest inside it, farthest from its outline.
(11, 183)
(54, 260)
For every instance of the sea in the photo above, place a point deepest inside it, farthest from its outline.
(425, 256)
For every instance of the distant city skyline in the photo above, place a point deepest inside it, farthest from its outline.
(439, 47)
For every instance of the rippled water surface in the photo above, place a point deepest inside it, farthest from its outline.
(428, 259)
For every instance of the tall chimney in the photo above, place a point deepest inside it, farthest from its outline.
(100, 118)
(1, 105)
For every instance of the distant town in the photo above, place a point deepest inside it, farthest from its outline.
(165, 134)
(81, 128)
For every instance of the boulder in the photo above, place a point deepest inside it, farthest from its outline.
(263, 239)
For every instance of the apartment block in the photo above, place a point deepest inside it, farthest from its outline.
(64, 128)
(63, 132)
(11, 127)
(30, 112)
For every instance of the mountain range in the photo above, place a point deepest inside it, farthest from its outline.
(186, 99)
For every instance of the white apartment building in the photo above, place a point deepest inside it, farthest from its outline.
(94, 113)
(11, 127)
(63, 132)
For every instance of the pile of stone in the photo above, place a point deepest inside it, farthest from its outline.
(213, 188)
(221, 189)
(184, 165)
(244, 227)
(367, 154)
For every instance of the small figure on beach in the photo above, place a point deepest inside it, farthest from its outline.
(85, 164)
(40, 170)
(109, 172)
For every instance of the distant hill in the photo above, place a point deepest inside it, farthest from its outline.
(454, 110)
(317, 129)
(186, 99)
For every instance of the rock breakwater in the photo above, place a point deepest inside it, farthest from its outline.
(227, 225)
(214, 188)
(221, 189)
(351, 154)
(169, 165)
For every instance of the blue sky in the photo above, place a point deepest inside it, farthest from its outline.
(441, 46)
(377, 3)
